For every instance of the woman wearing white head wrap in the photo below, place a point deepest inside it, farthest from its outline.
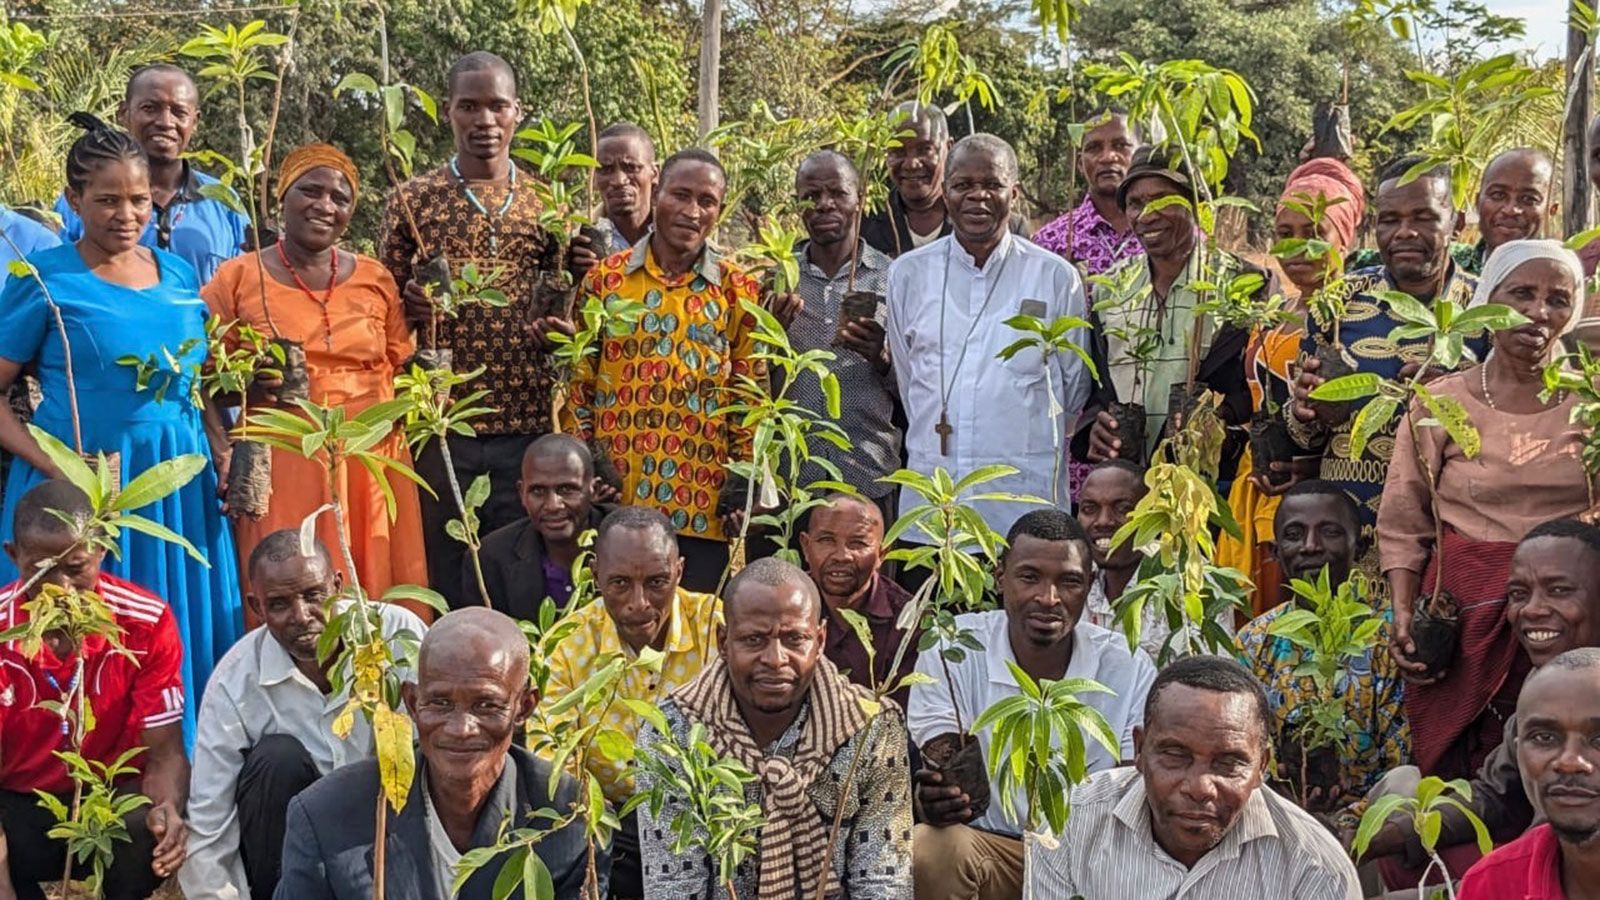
(1526, 470)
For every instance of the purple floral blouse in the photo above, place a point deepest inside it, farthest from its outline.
(1084, 237)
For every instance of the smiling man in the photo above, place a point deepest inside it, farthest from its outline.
(1098, 234)
(1558, 751)
(1043, 582)
(1553, 606)
(1191, 818)
(650, 398)
(948, 304)
(915, 215)
(470, 697)
(265, 730)
(161, 109)
(842, 545)
(1415, 222)
(478, 208)
(527, 561)
(636, 570)
(1160, 298)
(1317, 528)
(775, 704)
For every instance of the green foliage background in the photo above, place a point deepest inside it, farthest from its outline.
(806, 59)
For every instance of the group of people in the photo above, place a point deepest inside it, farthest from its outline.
(808, 676)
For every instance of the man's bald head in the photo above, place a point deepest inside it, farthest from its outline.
(771, 572)
(476, 634)
(1515, 197)
(827, 162)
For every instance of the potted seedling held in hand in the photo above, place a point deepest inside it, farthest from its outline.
(1445, 329)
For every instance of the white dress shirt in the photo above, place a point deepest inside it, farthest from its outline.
(981, 679)
(1000, 411)
(256, 690)
(1273, 851)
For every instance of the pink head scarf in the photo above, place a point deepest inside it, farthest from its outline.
(1334, 180)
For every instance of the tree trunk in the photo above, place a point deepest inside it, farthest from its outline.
(710, 63)
(1580, 106)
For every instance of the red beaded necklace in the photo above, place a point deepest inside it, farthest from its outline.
(327, 295)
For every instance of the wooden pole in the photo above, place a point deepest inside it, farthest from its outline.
(710, 63)
(1576, 191)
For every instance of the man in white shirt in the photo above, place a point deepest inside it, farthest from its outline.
(959, 852)
(265, 729)
(1192, 819)
(947, 307)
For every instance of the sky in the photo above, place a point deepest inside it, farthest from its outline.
(1546, 22)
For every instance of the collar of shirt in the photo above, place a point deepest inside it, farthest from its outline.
(708, 266)
(188, 187)
(868, 258)
(277, 666)
(1254, 823)
(957, 255)
(1081, 664)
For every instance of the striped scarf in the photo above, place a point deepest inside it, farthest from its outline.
(794, 837)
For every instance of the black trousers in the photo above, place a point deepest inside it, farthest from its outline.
(500, 457)
(37, 858)
(703, 562)
(275, 769)
(627, 868)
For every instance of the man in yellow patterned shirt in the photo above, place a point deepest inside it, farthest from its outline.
(651, 401)
(636, 569)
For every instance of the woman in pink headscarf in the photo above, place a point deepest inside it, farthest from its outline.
(1330, 184)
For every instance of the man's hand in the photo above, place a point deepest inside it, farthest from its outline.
(172, 838)
(865, 337)
(581, 257)
(784, 307)
(941, 804)
(1103, 444)
(539, 331)
(419, 308)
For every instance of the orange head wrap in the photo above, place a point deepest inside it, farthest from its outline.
(317, 156)
(1333, 180)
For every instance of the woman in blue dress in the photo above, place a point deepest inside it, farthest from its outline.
(119, 302)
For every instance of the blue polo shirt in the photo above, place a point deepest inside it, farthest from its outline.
(204, 232)
(24, 237)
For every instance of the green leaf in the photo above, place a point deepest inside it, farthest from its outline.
(155, 530)
(160, 480)
(1347, 387)
(417, 593)
(70, 464)
(1369, 420)
(356, 82)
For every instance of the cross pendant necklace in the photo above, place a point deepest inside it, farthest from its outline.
(944, 430)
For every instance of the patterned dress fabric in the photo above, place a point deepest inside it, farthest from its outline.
(1085, 238)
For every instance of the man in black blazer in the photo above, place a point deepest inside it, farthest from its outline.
(532, 558)
(471, 695)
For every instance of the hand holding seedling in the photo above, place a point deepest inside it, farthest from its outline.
(581, 257)
(864, 336)
(941, 804)
(539, 331)
(172, 838)
(1103, 443)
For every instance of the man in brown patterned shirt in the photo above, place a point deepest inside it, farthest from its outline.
(478, 208)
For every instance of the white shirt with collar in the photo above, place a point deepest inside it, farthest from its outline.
(981, 679)
(1273, 851)
(1000, 411)
(256, 690)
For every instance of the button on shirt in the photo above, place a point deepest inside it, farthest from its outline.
(1273, 851)
(256, 690)
(982, 679)
(205, 232)
(866, 397)
(999, 411)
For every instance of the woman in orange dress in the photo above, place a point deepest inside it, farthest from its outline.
(1268, 363)
(344, 310)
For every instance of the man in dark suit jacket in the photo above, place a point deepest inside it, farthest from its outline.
(471, 695)
(530, 559)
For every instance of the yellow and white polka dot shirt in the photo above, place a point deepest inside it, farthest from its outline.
(689, 647)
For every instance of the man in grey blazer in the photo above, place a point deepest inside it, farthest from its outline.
(471, 695)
